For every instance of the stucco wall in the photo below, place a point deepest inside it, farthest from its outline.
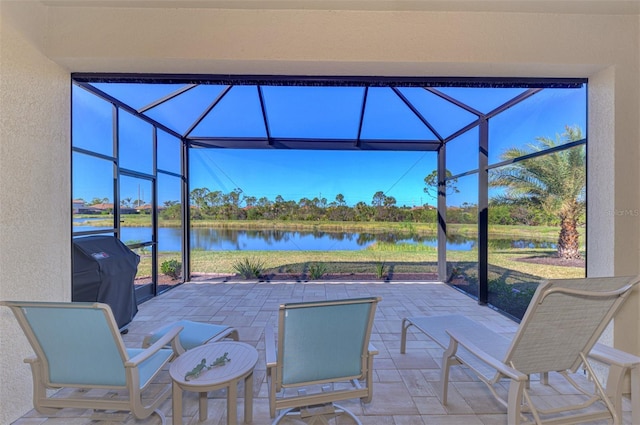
(38, 45)
(35, 256)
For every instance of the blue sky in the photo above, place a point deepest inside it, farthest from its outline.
(309, 112)
(324, 174)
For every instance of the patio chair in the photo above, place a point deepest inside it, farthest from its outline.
(78, 347)
(323, 356)
(562, 324)
(193, 334)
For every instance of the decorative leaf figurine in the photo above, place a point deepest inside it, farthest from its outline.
(220, 361)
(200, 367)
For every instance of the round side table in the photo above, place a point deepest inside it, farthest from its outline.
(243, 360)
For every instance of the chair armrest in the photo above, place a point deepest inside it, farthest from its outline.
(619, 363)
(154, 348)
(270, 347)
(457, 337)
(613, 356)
(373, 350)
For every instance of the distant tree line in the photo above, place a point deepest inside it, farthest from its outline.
(234, 205)
(216, 205)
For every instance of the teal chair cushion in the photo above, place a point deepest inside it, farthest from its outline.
(193, 334)
(330, 339)
(84, 332)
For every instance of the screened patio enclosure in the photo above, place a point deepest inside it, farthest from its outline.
(134, 138)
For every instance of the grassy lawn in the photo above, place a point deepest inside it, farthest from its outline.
(296, 262)
(367, 261)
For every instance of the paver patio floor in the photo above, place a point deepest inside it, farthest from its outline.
(406, 386)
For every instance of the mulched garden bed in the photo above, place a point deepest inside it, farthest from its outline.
(553, 261)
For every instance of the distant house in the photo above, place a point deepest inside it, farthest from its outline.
(89, 210)
(144, 209)
(102, 207)
(98, 209)
(78, 204)
(80, 207)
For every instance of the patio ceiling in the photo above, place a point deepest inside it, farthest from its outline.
(328, 113)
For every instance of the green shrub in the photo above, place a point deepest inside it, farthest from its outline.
(249, 268)
(317, 270)
(381, 268)
(171, 268)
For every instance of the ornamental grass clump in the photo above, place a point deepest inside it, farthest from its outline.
(249, 268)
(317, 270)
(381, 269)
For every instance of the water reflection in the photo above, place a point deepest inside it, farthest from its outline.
(272, 239)
(169, 239)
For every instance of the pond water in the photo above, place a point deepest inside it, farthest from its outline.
(169, 239)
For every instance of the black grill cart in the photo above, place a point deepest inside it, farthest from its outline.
(104, 270)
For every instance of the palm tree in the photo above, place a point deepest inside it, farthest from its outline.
(556, 182)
